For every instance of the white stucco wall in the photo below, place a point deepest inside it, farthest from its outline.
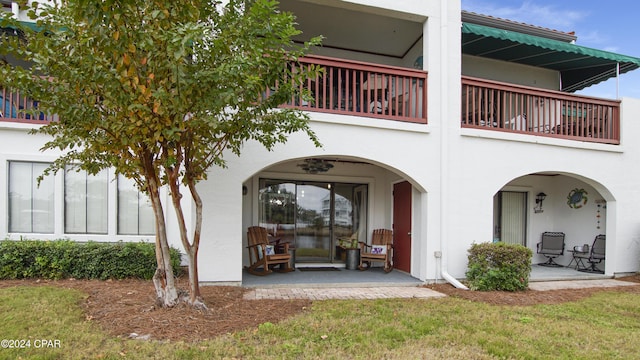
(455, 172)
(485, 163)
(485, 68)
(410, 151)
(395, 154)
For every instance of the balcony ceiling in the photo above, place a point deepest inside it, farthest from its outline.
(359, 29)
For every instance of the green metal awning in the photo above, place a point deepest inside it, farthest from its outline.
(579, 66)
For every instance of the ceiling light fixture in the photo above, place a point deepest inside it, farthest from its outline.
(315, 166)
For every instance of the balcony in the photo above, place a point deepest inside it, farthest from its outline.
(495, 106)
(348, 87)
(17, 107)
(345, 87)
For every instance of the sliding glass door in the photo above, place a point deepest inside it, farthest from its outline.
(313, 216)
(313, 222)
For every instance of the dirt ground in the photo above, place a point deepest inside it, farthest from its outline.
(123, 307)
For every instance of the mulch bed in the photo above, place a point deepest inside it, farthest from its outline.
(531, 297)
(123, 307)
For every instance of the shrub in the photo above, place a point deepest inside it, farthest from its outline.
(499, 266)
(60, 259)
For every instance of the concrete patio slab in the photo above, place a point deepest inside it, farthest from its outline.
(324, 293)
(577, 284)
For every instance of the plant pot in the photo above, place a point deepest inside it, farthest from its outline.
(353, 259)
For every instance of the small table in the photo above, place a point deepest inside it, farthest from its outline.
(578, 261)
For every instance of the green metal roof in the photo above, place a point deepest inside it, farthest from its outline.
(29, 24)
(579, 66)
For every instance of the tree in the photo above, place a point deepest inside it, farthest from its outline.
(159, 91)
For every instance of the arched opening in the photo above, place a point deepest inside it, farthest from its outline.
(528, 206)
(322, 206)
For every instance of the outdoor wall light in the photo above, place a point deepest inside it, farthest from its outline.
(539, 199)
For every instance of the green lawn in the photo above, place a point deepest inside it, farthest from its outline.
(605, 326)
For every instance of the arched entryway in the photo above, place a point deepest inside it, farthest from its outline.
(324, 211)
(530, 205)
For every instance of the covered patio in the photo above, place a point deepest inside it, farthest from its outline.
(376, 277)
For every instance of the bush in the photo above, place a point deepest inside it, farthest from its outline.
(60, 259)
(499, 266)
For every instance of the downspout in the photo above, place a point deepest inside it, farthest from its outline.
(444, 141)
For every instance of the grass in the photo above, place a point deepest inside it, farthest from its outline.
(605, 326)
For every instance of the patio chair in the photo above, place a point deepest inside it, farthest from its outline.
(594, 256)
(551, 246)
(381, 250)
(263, 255)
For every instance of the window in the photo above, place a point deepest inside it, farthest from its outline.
(85, 202)
(135, 213)
(31, 206)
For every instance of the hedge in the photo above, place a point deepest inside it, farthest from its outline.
(499, 266)
(59, 259)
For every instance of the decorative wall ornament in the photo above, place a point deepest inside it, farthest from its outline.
(577, 198)
(602, 204)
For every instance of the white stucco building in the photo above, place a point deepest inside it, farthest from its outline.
(439, 124)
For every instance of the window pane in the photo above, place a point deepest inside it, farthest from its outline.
(135, 214)
(19, 197)
(127, 207)
(75, 205)
(97, 208)
(147, 222)
(277, 208)
(43, 212)
(86, 202)
(30, 205)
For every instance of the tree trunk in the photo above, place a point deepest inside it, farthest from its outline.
(191, 248)
(196, 240)
(163, 279)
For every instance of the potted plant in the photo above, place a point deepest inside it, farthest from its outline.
(349, 251)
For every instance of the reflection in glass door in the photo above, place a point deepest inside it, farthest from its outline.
(277, 201)
(350, 217)
(313, 222)
(314, 216)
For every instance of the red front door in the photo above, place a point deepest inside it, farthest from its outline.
(402, 226)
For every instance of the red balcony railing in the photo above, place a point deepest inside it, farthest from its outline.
(344, 87)
(16, 107)
(361, 89)
(505, 107)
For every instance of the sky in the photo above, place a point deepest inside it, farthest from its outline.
(604, 25)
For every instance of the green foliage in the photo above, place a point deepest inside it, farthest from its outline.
(499, 266)
(125, 76)
(92, 260)
(159, 90)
